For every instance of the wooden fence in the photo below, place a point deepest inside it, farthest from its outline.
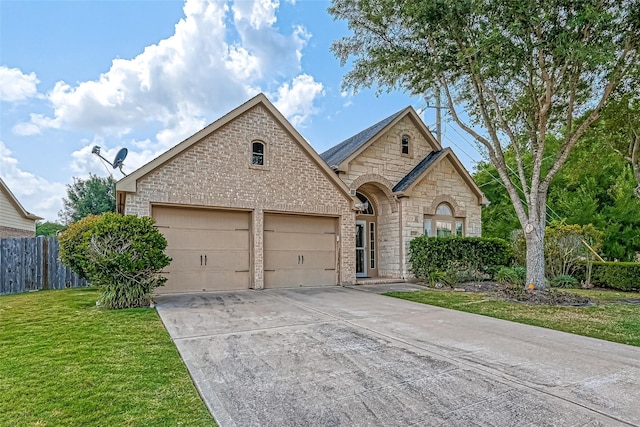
(31, 264)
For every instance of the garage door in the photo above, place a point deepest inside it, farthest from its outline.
(299, 251)
(210, 248)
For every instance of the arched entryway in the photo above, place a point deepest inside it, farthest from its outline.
(366, 237)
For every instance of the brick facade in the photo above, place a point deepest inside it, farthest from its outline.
(217, 172)
(214, 170)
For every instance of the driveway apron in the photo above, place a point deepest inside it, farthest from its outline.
(343, 357)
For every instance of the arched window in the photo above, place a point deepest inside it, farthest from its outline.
(257, 153)
(405, 145)
(367, 207)
(443, 223)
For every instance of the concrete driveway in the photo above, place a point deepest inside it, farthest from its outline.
(343, 357)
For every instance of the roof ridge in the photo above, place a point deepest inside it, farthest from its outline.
(418, 170)
(341, 151)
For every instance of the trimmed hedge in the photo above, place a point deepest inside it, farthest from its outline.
(624, 276)
(429, 254)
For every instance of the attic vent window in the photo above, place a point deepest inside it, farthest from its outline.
(257, 155)
(405, 145)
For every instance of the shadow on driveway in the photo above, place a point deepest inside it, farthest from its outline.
(343, 357)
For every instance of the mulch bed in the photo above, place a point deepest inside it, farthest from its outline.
(519, 294)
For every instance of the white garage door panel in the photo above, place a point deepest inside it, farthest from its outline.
(299, 250)
(209, 248)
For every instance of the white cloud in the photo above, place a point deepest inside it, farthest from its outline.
(36, 194)
(191, 77)
(17, 86)
(295, 100)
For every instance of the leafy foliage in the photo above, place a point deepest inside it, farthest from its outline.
(564, 281)
(48, 228)
(74, 245)
(121, 254)
(92, 196)
(127, 254)
(429, 254)
(522, 72)
(595, 187)
(513, 276)
(617, 275)
(564, 247)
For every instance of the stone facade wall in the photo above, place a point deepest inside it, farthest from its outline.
(399, 221)
(217, 172)
(442, 184)
(384, 157)
(15, 232)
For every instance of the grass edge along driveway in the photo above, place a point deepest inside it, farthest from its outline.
(66, 362)
(609, 319)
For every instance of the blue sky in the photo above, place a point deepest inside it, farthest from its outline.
(147, 74)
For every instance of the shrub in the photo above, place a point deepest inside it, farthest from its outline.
(564, 281)
(513, 276)
(428, 254)
(563, 247)
(624, 276)
(74, 243)
(127, 254)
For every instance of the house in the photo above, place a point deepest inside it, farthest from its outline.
(247, 203)
(15, 221)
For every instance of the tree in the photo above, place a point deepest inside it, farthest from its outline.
(48, 228)
(521, 70)
(92, 196)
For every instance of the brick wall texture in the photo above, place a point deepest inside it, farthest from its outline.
(217, 172)
(15, 232)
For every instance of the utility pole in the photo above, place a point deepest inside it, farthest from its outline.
(438, 107)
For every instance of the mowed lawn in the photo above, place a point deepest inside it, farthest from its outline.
(65, 362)
(610, 319)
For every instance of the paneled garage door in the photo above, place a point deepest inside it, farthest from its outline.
(299, 250)
(210, 248)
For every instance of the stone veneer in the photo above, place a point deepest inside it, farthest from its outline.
(381, 165)
(217, 172)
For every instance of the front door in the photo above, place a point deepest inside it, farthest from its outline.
(361, 249)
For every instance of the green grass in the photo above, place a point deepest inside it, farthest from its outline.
(64, 362)
(608, 320)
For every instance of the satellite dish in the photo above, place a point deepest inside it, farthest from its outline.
(117, 162)
(122, 154)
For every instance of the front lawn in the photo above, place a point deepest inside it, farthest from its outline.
(609, 319)
(64, 362)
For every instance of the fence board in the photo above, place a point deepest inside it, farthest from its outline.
(29, 264)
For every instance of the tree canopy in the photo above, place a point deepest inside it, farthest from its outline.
(91, 196)
(521, 71)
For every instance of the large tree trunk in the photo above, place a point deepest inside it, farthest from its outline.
(534, 238)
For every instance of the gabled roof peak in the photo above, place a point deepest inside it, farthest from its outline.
(351, 147)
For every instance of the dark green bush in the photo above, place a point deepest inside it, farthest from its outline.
(127, 254)
(74, 242)
(121, 254)
(514, 276)
(624, 276)
(428, 254)
(564, 281)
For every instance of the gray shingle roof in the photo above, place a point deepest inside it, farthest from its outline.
(339, 153)
(418, 170)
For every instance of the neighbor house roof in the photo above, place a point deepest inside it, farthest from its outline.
(16, 204)
(129, 183)
(409, 181)
(338, 156)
